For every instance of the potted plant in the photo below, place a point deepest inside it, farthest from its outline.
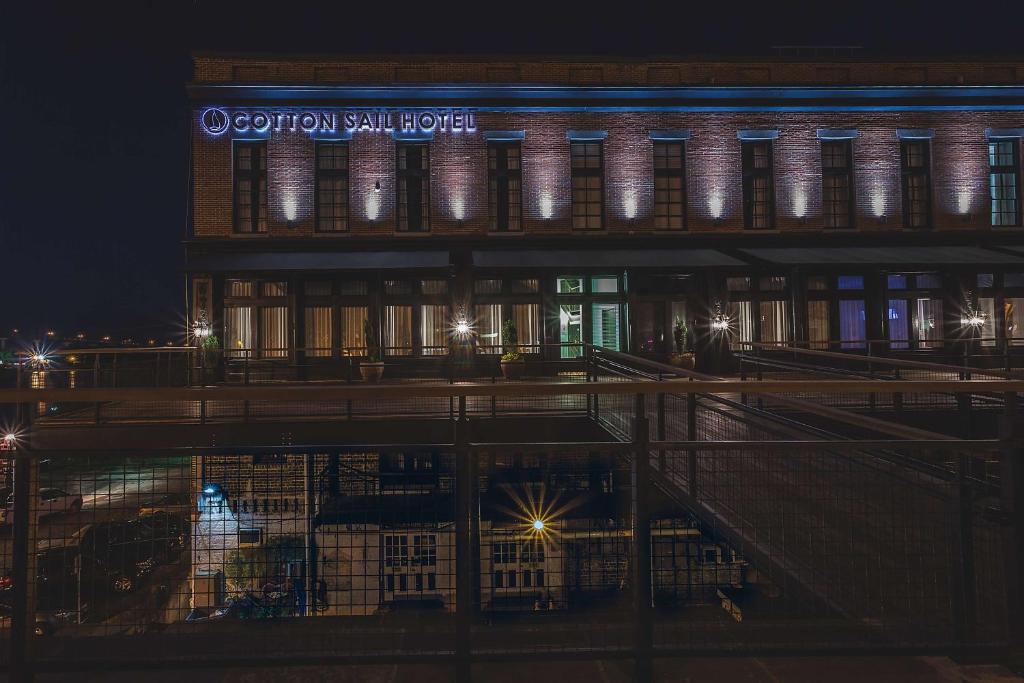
(682, 357)
(512, 364)
(372, 368)
(210, 357)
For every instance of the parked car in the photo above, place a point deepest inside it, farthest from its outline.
(167, 527)
(46, 623)
(133, 547)
(67, 585)
(49, 501)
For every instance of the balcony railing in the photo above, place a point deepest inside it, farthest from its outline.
(711, 515)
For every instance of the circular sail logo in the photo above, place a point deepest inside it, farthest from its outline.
(215, 121)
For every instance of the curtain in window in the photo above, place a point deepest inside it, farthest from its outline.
(987, 307)
(488, 327)
(398, 330)
(274, 332)
(774, 321)
(852, 326)
(238, 331)
(527, 320)
(741, 320)
(434, 329)
(319, 321)
(817, 324)
(928, 321)
(1013, 312)
(899, 330)
(353, 320)
(605, 325)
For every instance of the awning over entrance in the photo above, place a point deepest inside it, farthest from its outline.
(902, 256)
(603, 258)
(305, 260)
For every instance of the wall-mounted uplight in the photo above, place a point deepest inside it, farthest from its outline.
(800, 204)
(878, 204)
(373, 204)
(715, 206)
(629, 203)
(547, 205)
(458, 208)
(376, 186)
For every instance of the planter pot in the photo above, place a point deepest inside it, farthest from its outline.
(513, 369)
(686, 361)
(371, 371)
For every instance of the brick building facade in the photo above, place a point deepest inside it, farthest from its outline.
(815, 182)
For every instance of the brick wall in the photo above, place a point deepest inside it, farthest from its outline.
(459, 172)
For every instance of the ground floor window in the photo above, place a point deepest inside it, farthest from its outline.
(319, 326)
(274, 332)
(605, 321)
(1013, 315)
(238, 337)
(570, 330)
(398, 330)
(434, 329)
(852, 323)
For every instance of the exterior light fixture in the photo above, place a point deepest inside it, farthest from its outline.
(974, 319)
(538, 525)
(971, 316)
(719, 321)
(462, 328)
(9, 439)
(201, 329)
(376, 186)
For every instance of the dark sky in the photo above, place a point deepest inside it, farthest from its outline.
(93, 110)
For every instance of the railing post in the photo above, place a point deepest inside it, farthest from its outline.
(643, 611)
(897, 397)
(23, 572)
(465, 534)
(691, 435)
(1011, 434)
(661, 431)
(964, 612)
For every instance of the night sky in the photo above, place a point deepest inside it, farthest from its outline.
(93, 112)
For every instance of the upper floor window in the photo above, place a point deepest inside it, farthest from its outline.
(587, 185)
(669, 185)
(505, 185)
(837, 183)
(915, 163)
(331, 186)
(1004, 181)
(250, 187)
(413, 187)
(758, 185)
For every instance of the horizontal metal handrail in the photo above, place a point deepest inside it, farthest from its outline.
(356, 392)
(881, 360)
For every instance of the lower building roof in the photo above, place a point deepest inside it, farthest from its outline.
(320, 260)
(603, 258)
(903, 256)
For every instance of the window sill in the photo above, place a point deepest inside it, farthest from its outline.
(506, 233)
(411, 233)
(251, 235)
(331, 235)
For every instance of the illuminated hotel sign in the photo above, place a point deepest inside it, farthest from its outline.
(217, 121)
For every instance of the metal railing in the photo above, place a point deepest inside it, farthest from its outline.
(760, 532)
